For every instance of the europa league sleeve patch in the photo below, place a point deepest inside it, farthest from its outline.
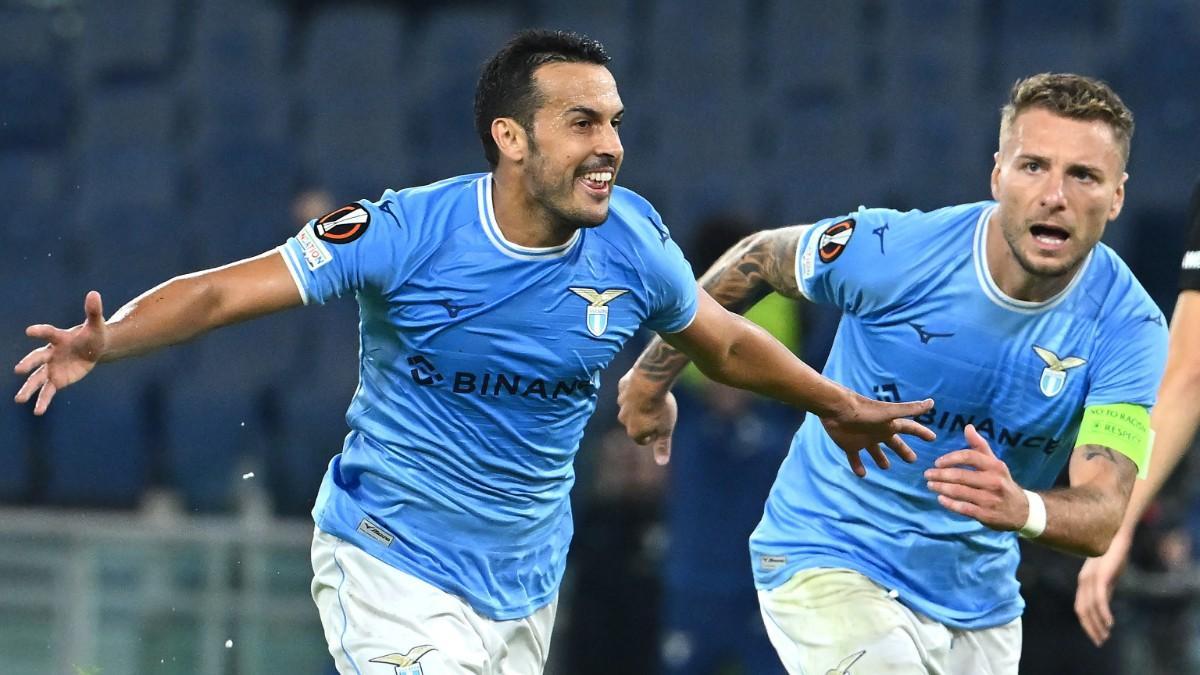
(342, 225)
(834, 240)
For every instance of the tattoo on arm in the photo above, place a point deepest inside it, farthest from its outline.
(745, 274)
(1091, 452)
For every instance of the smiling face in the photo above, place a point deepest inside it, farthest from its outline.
(574, 150)
(1058, 181)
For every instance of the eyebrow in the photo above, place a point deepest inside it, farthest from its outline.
(592, 112)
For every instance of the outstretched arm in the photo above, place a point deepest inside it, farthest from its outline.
(734, 351)
(173, 312)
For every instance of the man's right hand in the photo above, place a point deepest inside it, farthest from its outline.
(1093, 596)
(69, 355)
(867, 423)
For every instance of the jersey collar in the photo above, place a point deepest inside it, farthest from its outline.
(487, 217)
(993, 292)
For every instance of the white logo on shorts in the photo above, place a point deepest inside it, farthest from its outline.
(406, 663)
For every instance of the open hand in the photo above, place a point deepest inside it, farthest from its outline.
(869, 423)
(1093, 596)
(67, 358)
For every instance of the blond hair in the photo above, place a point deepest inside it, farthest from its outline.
(1073, 96)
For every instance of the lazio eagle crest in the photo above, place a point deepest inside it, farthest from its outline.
(597, 311)
(1054, 375)
(406, 663)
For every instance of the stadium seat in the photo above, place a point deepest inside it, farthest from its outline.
(16, 451)
(36, 101)
(354, 95)
(813, 49)
(128, 115)
(127, 175)
(454, 44)
(614, 24)
(126, 39)
(96, 449)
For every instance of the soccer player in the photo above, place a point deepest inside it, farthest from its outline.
(489, 305)
(1175, 420)
(1040, 347)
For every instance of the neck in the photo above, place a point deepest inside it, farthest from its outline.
(521, 218)
(1011, 277)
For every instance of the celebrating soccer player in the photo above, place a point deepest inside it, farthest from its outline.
(490, 303)
(1040, 347)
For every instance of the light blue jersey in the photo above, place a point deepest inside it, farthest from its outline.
(923, 317)
(480, 361)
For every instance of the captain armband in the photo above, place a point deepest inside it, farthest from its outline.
(1124, 427)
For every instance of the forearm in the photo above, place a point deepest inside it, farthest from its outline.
(745, 274)
(754, 360)
(1080, 520)
(189, 305)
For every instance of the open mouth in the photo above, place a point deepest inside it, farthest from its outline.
(1049, 236)
(598, 181)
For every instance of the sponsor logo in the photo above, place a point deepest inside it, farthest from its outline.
(887, 392)
(315, 253)
(834, 240)
(369, 528)
(423, 373)
(771, 562)
(924, 335)
(406, 663)
(343, 225)
(1054, 375)
(597, 310)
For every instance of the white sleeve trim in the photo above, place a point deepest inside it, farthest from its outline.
(685, 326)
(293, 266)
(805, 259)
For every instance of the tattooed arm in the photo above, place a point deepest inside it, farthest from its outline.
(757, 265)
(1083, 518)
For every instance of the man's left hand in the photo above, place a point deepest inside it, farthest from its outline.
(977, 484)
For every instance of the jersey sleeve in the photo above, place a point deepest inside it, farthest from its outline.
(670, 284)
(839, 261)
(1189, 276)
(1130, 360)
(357, 247)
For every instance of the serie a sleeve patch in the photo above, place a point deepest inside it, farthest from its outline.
(1123, 427)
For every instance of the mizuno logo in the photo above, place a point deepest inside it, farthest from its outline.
(878, 232)
(453, 309)
(925, 335)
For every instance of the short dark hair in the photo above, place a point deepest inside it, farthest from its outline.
(506, 87)
(1073, 96)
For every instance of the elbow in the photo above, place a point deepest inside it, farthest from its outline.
(1097, 545)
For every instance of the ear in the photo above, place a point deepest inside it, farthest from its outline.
(996, 176)
(1118, 198)
(510, 138)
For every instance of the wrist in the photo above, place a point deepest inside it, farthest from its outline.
(1035, 522)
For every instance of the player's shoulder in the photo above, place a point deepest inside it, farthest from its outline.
(1113, 287)
(631, 217)
(429, 206)
(959, 216)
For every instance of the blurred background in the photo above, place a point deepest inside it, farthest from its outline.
(155, 520)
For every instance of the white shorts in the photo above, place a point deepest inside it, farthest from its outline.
(827, 621)
(379, 620)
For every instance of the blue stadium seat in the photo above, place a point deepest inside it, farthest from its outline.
(128, 38)
(123, 116)
(15, 451)
(36, 100)
(354, 93)
(454, 44)
(127, 175)
(210, 426)
(614, 24)
(718, 63)
(249, 39)
(96, 445)
(813, 49)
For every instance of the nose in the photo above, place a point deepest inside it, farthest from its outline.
(1053, 195)
(608, 143)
